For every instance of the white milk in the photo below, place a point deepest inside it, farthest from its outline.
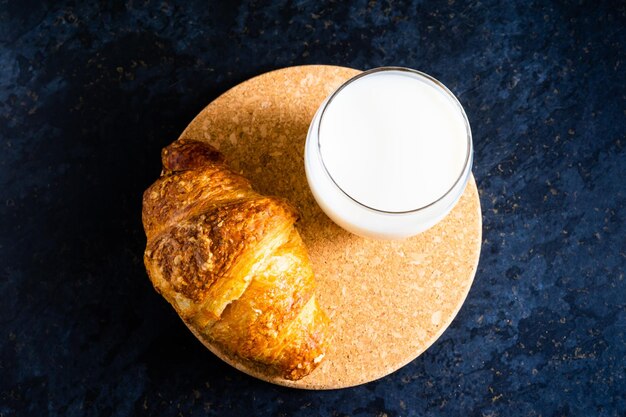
(389, 154)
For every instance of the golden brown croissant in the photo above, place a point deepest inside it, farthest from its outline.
(232, 264)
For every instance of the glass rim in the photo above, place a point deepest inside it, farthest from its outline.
(437, 83)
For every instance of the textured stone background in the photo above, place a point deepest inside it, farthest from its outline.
(90, 92)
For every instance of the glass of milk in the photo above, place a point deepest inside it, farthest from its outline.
(389, 153)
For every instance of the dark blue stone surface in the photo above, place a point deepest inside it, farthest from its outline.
(91, 91)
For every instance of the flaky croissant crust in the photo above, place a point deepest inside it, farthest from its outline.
(232, 264)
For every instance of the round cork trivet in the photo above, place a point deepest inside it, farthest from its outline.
(388, 300)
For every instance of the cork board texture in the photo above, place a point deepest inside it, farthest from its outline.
(388, 300)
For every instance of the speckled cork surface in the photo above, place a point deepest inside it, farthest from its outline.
(388, 300)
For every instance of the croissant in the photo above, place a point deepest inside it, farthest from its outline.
(232, 264)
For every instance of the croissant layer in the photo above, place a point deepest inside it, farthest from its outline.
(232, 264)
